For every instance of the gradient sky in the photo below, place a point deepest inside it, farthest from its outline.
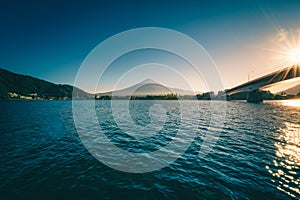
(50, 39)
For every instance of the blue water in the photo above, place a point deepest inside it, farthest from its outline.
(256, 156)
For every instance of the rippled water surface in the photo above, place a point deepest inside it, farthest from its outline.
(255, 156)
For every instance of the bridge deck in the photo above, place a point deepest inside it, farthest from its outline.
(267, 80)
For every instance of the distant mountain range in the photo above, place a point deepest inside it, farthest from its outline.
(16, 86)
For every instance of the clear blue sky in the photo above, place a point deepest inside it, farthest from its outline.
(49, 39)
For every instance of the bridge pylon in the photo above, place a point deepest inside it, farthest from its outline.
(255, 96)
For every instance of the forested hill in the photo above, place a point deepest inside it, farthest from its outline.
(16, 86)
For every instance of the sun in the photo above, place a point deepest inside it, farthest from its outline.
(285, 47)
(293, 55)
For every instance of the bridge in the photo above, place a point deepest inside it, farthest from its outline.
(254, 87)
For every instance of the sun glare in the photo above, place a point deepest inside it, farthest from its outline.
(286, 47)
(294, 55)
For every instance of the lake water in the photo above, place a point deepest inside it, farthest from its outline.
(255, 156)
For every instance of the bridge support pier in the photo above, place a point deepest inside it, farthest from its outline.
(255, 96)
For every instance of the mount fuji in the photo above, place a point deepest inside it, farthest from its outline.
(148, 87)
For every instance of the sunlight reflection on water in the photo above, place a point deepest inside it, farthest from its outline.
(285, 171)
(294, 102)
